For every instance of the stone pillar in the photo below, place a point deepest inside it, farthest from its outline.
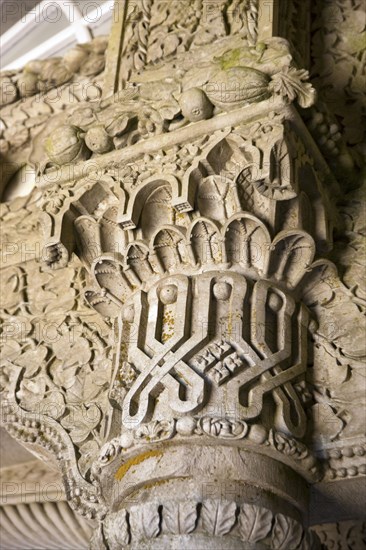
(212, 341)
(200, 209)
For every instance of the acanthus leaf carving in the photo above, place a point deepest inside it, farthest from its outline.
(287, 533)
(179, 517)
(116, 530)
(213, 518)
(218, 517)
(145, 520)
(292, 83)
(254, 522)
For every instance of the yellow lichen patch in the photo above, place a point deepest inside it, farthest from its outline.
(168, 325)
(180, 217)
(122, 471)
(152, 484)
(230, 324)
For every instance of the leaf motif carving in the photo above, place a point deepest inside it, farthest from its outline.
(150, 521)
(287, 533)
(88, 453)
(171, 517)
(254, 522)
(81, 421)
(180, 517)
(116, 530)
(97, 541)
(218, 517)
(123, 532)
(292, 83)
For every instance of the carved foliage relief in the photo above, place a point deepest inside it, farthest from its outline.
(338, 52)
(159, 29)
(58, 349)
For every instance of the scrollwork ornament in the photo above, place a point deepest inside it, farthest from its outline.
(222, 428)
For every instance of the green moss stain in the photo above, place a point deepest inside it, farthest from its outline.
(48, 145)
(230, 59)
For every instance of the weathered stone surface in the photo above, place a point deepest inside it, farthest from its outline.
(182, 337)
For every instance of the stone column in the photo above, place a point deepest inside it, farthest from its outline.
(212, 340)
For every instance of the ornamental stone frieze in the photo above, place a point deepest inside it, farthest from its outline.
(182, 337)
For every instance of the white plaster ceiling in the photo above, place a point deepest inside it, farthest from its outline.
(38, 30)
